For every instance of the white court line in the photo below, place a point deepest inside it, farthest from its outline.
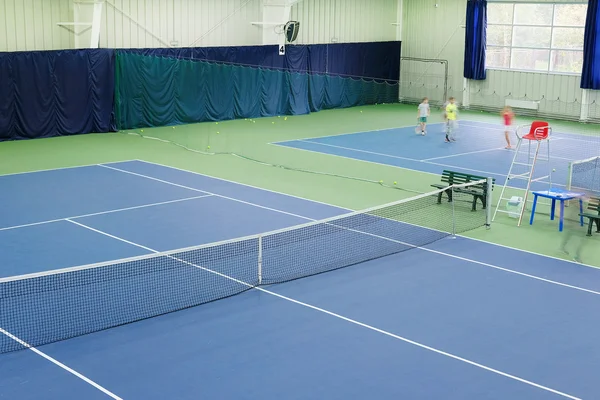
(348, 209)
(61, 365)
(361, 151)
(111, 236)
(104, 212)
(356, 132)
(57, 169)
(202, 191)
(407, 169)
(352, 321)
(241, 184)
(408, 159)
(463, 154)
(404, 158)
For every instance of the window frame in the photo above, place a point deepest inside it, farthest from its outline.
(549, 49)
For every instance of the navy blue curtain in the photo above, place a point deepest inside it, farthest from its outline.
(590, 74)
(157, 87)
(475, 40)
(54, 93)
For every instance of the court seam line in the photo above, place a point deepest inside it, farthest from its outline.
(60, 364)
(104, 212)
(352, 321)
(214, 194)
(348, 209)
(57, 169)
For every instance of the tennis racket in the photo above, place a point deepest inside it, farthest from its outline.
(418, 127)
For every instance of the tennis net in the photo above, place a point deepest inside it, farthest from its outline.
(42, 308)
(584, 175)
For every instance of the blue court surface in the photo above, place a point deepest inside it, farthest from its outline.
(456, 319)
(479, 149)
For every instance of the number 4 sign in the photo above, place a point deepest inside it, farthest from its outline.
(282, 50)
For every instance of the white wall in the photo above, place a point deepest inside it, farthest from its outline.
(27, 25)
(190, 23)
(345, 21)
(32, 24)
(434, 32)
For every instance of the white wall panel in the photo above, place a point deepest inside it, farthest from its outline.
(189, 23)
(345, 21)
(27, 25)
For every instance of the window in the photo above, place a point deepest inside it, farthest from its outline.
(536, 37)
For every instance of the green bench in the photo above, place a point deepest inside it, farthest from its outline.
(478, 191)
(593, 205)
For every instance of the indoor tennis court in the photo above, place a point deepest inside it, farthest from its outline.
(427, 308)
(299, 199)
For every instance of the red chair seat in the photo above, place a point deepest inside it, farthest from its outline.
(538, 131)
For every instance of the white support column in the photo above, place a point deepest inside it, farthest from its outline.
(96, 21)
(585, 105)
(466, 100)
(275, 13)
(398, 23)
(81, 27)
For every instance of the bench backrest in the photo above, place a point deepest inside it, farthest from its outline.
(594, 204)
(457, 178)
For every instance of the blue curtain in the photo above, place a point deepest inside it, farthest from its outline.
(55, 93)
(590, 74)
(475, 40)
(157, 87)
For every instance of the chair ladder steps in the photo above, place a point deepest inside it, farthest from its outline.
(529, 164)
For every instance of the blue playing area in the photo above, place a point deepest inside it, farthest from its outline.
(479, 149)
(454, 319)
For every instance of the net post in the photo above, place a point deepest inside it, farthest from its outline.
(453, 213)
(488, 202)
(259, 260)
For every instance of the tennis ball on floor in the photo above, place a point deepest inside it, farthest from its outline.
(285, 119)
(218, 132)
(380, 181)
(141, 130)
(216, 123)
(273, 122)
(395, 183)
(208, 147)
(553, 169)
(253, 121)
(361, 111)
